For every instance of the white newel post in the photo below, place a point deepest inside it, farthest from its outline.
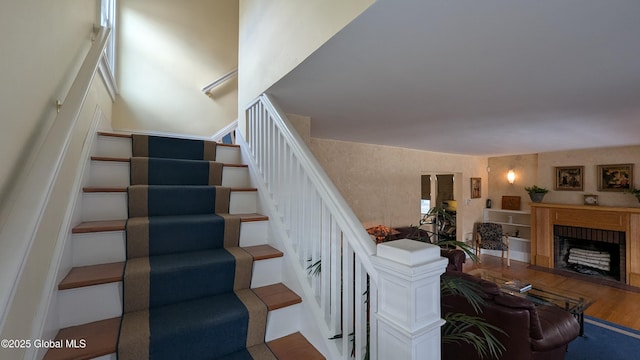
(408, 316)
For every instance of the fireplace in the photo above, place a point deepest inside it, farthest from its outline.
(590, 252)
(587, 224)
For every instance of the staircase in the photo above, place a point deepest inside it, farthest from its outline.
(90, 297)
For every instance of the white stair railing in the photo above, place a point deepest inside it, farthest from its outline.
(320, 229)
(379, 302)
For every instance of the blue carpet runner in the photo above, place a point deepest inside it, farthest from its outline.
(186, 284)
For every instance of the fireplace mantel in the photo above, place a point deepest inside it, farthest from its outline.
(545, 215)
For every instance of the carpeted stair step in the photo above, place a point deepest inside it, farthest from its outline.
(114, 171)
(101, 339)
(204, 328)
(86, 286)
(96, 242)
(111, 203)
(119, 145)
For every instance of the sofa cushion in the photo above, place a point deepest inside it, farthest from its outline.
(516, 302)
(558, 327)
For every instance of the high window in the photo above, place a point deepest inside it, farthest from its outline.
(108, 19)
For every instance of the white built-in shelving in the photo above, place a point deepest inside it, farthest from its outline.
(517, 224)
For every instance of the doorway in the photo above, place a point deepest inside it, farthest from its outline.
(442, 190)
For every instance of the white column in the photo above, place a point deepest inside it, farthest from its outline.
(408, 317)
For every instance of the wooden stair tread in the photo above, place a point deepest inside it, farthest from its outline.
(101, 338)
(235, 165)
(263, 252)
(229, 145)
(277, 296)
(120, 225)
(99, 226)
(252, 217)
(104, 133)
(293, 347)
(108, 158)
(107, 189)
(247, 189)
(92, 275)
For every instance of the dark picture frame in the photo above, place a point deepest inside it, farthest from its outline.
(569, 178)
(617, 177)
(476, 187)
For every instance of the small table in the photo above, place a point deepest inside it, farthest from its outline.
(573, 302)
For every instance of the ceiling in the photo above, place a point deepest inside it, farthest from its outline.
(491, 77)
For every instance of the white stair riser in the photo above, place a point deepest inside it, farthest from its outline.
(104, 206)
(243, 202)
(266, 272)
(111, 146)
(113, 206)
(235, 176)
(98, 248)
(89, 303)
(228, 154)
(116, 174)
(283, 322)
(254, 233)
(110, 246)
(109, 173)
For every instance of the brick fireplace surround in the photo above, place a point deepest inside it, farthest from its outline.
(627, 220)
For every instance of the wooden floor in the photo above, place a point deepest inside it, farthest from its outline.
(611, 304)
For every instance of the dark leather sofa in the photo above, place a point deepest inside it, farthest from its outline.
(532, 332)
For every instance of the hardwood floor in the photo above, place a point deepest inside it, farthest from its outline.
(611, 304)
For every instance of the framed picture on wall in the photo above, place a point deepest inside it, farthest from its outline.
(569, 178)
(476, 189)
(617, 177)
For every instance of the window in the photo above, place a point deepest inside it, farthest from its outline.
(108, 19)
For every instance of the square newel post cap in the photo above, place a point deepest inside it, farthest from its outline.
(408, 252)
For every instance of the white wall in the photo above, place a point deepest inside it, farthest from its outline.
(43, 43)
(168, 50)
(276, 36)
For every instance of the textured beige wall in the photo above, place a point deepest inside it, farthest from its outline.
(277, 35)
(168, 50)
(539, 169)
(526, 169)
(382, 184)
(43, 44)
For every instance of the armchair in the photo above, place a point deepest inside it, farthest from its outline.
(491, 237)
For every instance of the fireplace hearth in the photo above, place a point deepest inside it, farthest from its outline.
(590, 252)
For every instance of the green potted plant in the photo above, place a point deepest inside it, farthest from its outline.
(536, 193)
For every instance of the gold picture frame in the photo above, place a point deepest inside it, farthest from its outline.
(569, 178)
(476, 187)
(618, 177)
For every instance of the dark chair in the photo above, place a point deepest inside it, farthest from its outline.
(491, 237)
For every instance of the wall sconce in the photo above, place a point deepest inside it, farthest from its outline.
(511, 176)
